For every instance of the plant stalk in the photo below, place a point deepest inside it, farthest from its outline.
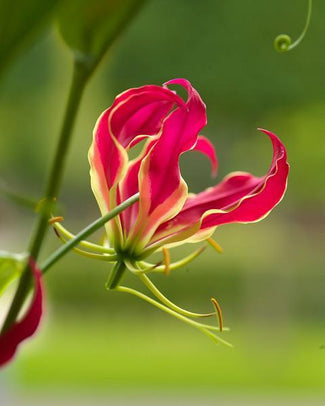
(115, 276)
(79, 80)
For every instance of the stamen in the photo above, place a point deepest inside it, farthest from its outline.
(57, 233)
(60, 230)
(202, 327)
(166, 255)
(219, 313)
(215, 245)
(101, 257)
(57, 219)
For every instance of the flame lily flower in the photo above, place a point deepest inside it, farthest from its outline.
(26, 327)
(166, 214)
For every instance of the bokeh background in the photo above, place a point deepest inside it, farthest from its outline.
(96, 347)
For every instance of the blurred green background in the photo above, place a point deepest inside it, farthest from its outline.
(269, 281)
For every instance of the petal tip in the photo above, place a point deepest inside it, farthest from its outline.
(11, 339)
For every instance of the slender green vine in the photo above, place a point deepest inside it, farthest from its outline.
(80, 77)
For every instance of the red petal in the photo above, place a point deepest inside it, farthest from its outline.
(263, 198)
(240, 197)
(138, 111)
(19, 331)
(135, 114)
(179, 134)
(162, 191)
(129, 185)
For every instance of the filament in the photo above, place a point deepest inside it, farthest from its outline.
(156, 292)
(56, 219)
(86, 244)
(148, 267)
(101, 257)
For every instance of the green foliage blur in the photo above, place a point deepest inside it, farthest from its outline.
(269, 278)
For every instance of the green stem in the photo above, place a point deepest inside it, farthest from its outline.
(79, 80)
(115, 276)
(59, 253)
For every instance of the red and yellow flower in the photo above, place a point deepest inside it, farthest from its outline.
(166, 213)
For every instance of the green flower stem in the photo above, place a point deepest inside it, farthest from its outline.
(115, 276)
(81, 75)
(86, 232)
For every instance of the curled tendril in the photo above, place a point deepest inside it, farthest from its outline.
(283, 42)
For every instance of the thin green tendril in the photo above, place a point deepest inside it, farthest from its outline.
(283, 42)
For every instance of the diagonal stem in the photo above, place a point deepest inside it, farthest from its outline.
(87, 231)
(115, 275)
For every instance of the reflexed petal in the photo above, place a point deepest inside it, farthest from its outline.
(135, 112)
(162, 190)
(134, 115)
(19, 331)
(240, 197)
(263, 198)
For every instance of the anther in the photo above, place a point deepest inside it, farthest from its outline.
(219, 313)
(215, 245)
(57, 219)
